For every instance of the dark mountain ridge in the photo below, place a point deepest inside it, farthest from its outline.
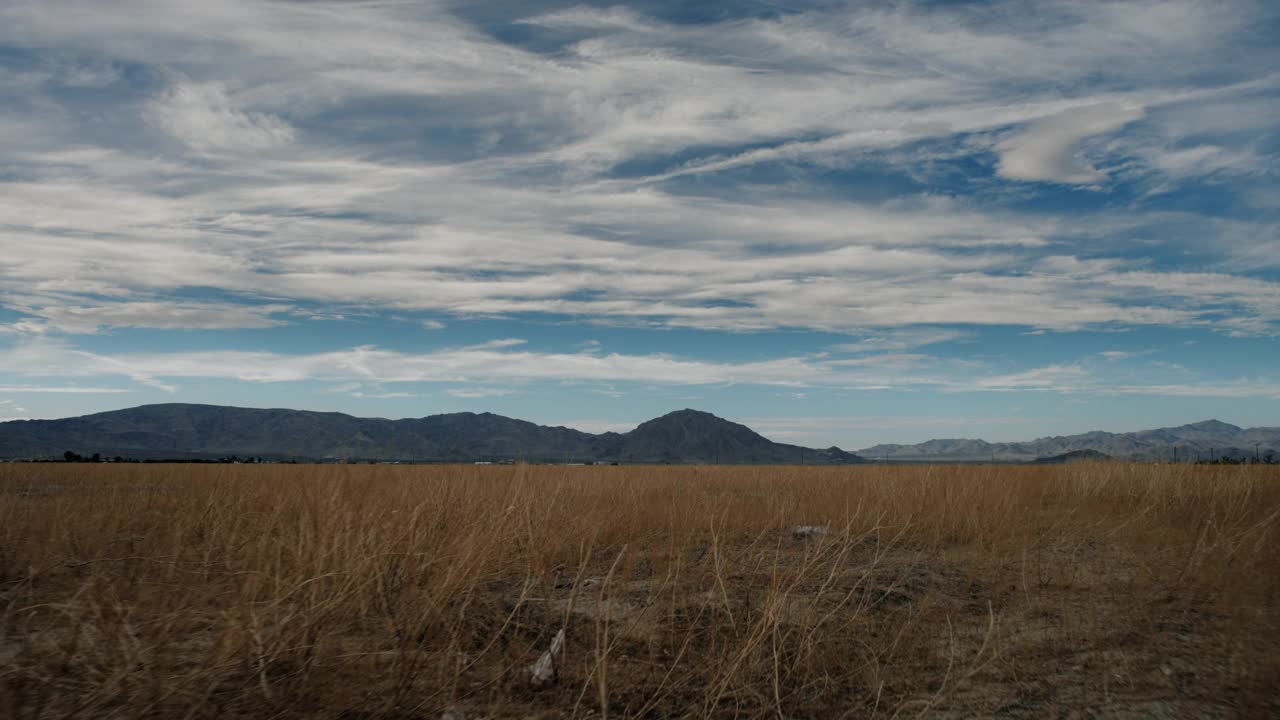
(180, 430)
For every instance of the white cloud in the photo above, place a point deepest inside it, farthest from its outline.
(886, 360)
(843, 268)
(498, 344)
(62, 390)
(27, 326)
(204, 117)
(619, 18)
(479, 392)
(905, 339)
(1059, 378)
(1202, 160)
(1048, 149)
(477, 364)
(500, 371)
(426, 166)
(1119, 355)
(359, 390)
(167, 315)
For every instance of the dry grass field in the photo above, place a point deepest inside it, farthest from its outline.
(202, 591)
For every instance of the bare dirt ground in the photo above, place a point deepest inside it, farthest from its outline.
(1101, 590)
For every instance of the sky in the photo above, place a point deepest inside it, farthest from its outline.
(838, 223)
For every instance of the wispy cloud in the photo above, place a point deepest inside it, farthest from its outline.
(62, 390)
(179, 315)
(1059, 378)
(479, 392)
(1121, 355)
(483, 364)
(1048, 149)
(204, 117)
(270, 158)
(1001, 170)
(905, 339)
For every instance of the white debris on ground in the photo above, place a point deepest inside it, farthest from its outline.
(802, 532)
(584, 582)
(544, 670)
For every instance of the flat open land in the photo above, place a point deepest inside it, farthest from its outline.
(1108, 589)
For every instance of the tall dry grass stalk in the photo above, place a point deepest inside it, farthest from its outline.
(396, 591)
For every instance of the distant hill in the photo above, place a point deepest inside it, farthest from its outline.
(695, 436)
(1203, 439)
(204, 431)
(1070, 457)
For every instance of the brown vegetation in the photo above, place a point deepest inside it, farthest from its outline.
(398, 591)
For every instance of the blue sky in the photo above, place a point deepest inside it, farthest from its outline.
(839, 223)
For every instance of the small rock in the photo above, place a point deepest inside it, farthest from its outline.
(802, 532)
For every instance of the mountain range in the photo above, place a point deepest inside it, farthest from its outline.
(1205, 440)
(180, 431)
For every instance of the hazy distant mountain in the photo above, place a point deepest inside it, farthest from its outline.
(1070, 457)
(1202, 439)
(181, 430)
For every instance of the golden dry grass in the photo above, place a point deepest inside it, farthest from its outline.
(412, 591)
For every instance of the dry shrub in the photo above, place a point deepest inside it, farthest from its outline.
(402, 591)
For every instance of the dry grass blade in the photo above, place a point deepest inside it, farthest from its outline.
(395, 591)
